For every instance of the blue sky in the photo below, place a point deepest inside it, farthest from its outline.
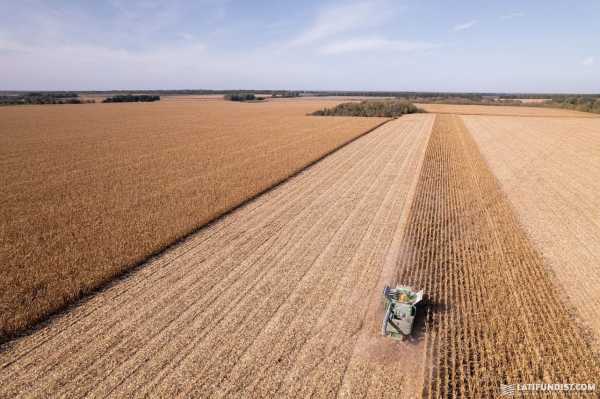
(511, 46)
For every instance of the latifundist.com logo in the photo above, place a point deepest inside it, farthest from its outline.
(513, 389)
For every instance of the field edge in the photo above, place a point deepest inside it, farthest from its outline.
(128, 269)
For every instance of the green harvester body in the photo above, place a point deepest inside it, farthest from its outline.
(400, 311)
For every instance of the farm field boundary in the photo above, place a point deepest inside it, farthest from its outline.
(549, 171)
(92, 191)
(268, 301)
(504, 110)
(157, 253)
(493, 315)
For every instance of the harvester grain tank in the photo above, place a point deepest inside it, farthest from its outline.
(400, 311)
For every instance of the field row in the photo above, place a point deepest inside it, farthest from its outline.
(493, 315)
(277, 298)
(89, 191)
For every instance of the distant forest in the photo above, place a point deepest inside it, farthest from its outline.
(131, 98)
(371, 108)
(31, 98)
(579, 102)
(242, 97)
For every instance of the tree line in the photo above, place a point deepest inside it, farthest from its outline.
(579, 103)
(371, 108)
(242, 97)
(37, 98)
(129, 98)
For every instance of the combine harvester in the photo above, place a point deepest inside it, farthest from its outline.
(400, 311)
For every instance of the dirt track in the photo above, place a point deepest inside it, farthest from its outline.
(275, 298)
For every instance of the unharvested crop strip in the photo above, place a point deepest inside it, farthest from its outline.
(493, 314)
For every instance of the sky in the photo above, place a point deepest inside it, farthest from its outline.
(374, 45)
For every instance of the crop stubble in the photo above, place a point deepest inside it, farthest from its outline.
(504, 110)
(271, 299)
(549, 171)
(494, 315)
(90, 190)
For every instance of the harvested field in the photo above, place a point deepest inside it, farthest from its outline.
(549, 170)
(505, 110)
(494, 315)
(90, 190)
(276, 298)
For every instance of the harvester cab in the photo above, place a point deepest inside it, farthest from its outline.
(400, 311)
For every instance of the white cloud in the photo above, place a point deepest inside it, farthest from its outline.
(7, 45)
(373, 44)
(334, 20)
(76, 66)
(329, 32)
(186, 36)
(589, 61)
(129, 24)
(464, 26)
(513, 15)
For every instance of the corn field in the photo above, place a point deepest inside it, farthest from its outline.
(494, 317)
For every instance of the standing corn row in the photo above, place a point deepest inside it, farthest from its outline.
(493, 315)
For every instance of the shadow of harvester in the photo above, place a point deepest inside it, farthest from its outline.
(428, 311)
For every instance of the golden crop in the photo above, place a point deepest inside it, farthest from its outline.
(549, 169)
(494, 315)
(89, 191)
(505, 110)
